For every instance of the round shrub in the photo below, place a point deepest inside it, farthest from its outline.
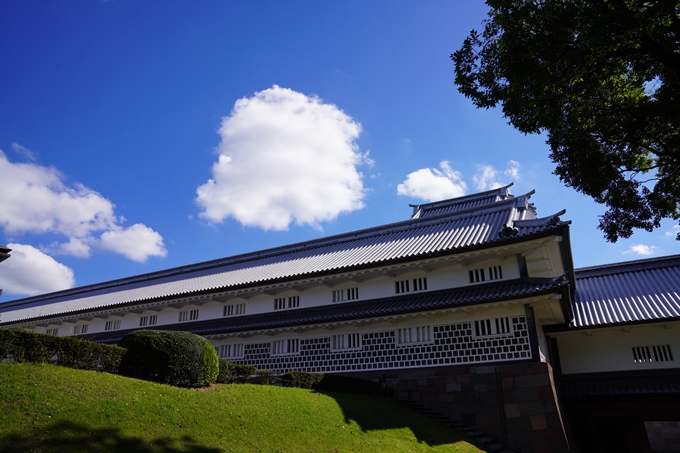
(181, 359)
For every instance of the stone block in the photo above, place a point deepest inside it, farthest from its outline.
(509, 370)
(484, 417)
(532, 380)
(545, 392)
(521, 395)
(421, 381)
(453, 387)
(553, 420)
(517, 440)
(525, 369)
(538, 422)
(480, 388)
(445, 397)
(531, 407)
(517, 424)
(512, 410)
(508, 382)
(545, 439)
(549, 406)
(438, 388)
(542, 367)
(463, 379)
(483, 370)
(488, 399)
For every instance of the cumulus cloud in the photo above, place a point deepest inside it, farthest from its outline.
(488, 177)
(29, 271)
(35, 199)
(642, 249)
(137, 242)
(431, 184)
(284, 157)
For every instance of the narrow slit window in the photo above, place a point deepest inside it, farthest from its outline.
(112, 325)
(649, 354)
(233, 310)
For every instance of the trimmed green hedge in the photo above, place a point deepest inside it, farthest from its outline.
(181, 359)
(301, 379)
(231, 372)
(25, 346)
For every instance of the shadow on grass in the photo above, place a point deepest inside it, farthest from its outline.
(388, 414)
(76, 438)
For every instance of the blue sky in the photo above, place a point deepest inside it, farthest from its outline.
(139, 136)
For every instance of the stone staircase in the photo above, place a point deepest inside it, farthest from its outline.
(487, 443)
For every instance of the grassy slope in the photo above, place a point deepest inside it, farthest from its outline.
(44, 408)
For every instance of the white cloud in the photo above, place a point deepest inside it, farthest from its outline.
(642, 249)
(137, 242)
(27, 153)
(29, 271)
(487, 176)
(284, 157)
(673, 232)
(35, 199)
(431, 184)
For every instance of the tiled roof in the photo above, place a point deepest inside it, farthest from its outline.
(389, 306)
(636, 291)
(468, 229)
(461, 203)
(656, 382)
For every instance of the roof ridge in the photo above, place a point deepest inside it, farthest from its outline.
(628, 266)
(318, 243)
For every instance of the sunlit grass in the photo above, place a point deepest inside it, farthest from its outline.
(45, 408)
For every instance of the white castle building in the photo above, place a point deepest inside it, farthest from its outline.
(471, 307)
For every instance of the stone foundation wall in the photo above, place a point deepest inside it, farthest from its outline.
(516, 404)
(664, 437)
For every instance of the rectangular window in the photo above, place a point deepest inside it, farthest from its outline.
(231, 351)
(54, 332)
(235, 309)
(345, 342)
(290, 302)
(414, 335)
(479, 275)
(283, 347)
(495, 326)
(80, 329)
(406, 286)
(190, 315)
(148, 320)
(112, 325)
(658, 353)
(341, 295)
(495, 273)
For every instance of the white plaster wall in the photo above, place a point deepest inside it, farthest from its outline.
(452, 276)
(611, 349)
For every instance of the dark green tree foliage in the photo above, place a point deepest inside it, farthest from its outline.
(181, 359)
(602, 79)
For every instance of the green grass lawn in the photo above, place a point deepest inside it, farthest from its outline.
(45, 408)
